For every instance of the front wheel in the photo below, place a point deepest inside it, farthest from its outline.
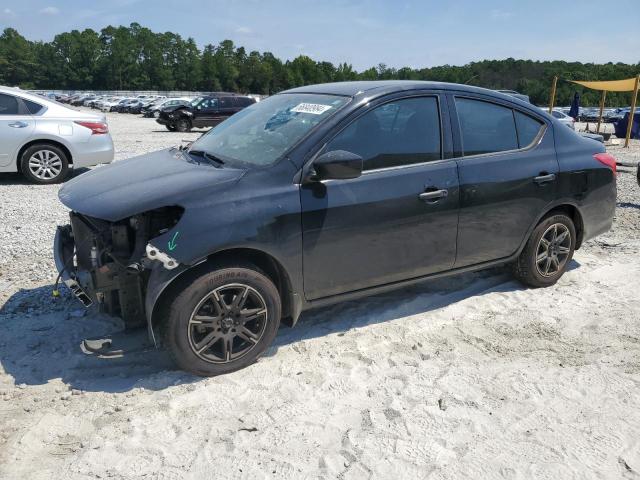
(548, 252)
(171, 128)
(183, 125)
(222, 320)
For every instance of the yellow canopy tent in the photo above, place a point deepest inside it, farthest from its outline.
(628, 85)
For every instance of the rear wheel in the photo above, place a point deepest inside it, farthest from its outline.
(222, 320)
(548, 252)
(44, 163)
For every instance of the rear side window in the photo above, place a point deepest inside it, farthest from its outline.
(528, 129)
(403, 132)
(33, 107)
(485, 127)
(8, 105)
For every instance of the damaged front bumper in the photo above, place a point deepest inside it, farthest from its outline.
(63, 255)
(110, 263)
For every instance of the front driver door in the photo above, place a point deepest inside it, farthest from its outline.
(399, 219)
(207, 113)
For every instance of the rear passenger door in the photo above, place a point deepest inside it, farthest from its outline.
(507, 168)
(398, 220)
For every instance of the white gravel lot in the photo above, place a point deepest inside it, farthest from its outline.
(468, 377)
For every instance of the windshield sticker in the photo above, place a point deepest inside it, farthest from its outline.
(313, 108)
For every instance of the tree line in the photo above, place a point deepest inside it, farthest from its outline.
(136, 58)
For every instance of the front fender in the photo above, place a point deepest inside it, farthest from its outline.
(159, 280)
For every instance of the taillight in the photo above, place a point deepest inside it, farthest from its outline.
(608, 160)
(97, 128)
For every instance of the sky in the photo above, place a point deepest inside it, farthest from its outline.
(364, 33)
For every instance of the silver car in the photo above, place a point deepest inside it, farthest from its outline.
(561, 116)
(43, 139)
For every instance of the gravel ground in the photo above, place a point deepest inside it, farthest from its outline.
(468, 377)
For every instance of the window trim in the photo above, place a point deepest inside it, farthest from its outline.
(369, 108)
(498, 103)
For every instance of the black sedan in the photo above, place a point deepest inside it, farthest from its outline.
(325, 193)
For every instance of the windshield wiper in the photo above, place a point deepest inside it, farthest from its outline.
(207, 155)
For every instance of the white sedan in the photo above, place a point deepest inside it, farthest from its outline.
(44, 139)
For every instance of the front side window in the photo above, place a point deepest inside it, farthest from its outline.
(402, 132)
(208, 104)
(528, 129)
(261, 133)
(485, 127)
(8, 105)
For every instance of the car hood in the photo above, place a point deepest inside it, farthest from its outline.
(122, 189)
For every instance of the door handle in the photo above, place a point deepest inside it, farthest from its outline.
(19, 124)
(546, 178)
(433, 196)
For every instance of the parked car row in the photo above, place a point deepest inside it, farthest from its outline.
(177, 114)
(591, 114)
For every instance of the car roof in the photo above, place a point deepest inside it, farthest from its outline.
(375, 87)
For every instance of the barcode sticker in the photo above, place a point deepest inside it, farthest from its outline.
(314, 108)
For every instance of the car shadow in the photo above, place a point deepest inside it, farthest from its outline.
(46, 339)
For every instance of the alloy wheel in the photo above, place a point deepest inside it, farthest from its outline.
(553, 250)
(45, 165)
(227, 323)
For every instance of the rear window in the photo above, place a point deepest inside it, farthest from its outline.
(33, 107)
(485, 127)
(8, 105)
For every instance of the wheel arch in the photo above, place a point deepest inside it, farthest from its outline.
(574, 214)
(42, 141)
(263, 261)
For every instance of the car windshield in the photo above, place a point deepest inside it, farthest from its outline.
(196, 101)
(260, 134)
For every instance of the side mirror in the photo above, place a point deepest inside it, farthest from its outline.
(337, 165)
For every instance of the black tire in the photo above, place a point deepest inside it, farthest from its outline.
(50, 160)
(207, 293)
(183, 125)
(171, 128)
(535, 269)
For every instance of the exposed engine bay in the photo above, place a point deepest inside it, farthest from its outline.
(109, 263)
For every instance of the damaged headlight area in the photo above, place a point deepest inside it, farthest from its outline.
(109, 263)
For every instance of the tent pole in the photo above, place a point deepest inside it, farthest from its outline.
(633, 109)
(552, 100)
(602, 99)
